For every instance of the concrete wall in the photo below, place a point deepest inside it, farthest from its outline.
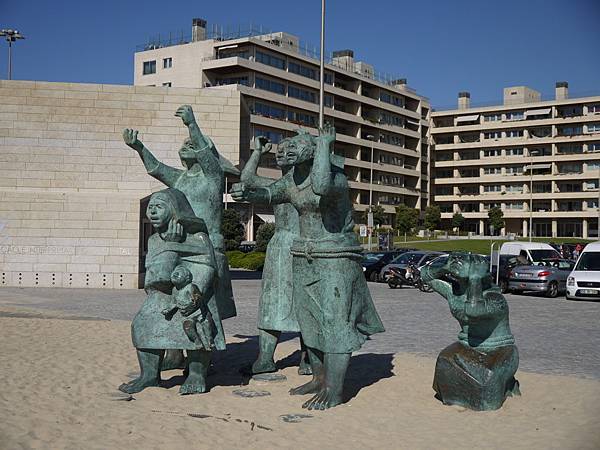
(70, 188)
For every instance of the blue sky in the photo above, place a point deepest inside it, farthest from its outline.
(442, 47)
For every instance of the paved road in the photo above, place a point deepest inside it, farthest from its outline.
(553, 335)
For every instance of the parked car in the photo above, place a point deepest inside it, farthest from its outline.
(418, 258)
(247, 246)
(548, 276)
(507, 262)
(374, 261)
(583, 282)
(534, 252)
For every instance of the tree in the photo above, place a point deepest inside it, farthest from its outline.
(406, 218)
(232, 229)
(496, 217)
(433, 217)
(378, 215)
(458, 220)
(263, 235)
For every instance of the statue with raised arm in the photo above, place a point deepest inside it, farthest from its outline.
(202, 181)
(477, 371)
(331, 300)
(275, 308)
(180, 311)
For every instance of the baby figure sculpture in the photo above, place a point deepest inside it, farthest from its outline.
(476, 372)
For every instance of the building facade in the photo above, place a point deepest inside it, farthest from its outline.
(72, 193)
(536, 160)
(279, 81)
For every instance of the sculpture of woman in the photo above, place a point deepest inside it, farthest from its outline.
(331, 300)
(275, 309)
(478, 371)
(153, 329)
(202, 181)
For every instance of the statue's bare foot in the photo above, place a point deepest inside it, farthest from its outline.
(138, 385)
(304, 368)
(325, 398)
(194, 384)
(311, 387)
(259, 367)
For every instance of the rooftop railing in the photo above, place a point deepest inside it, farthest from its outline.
(221, 33)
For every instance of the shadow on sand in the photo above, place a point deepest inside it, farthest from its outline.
(364, 370)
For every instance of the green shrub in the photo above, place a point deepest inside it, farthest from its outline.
(250, 261)
(263, 235)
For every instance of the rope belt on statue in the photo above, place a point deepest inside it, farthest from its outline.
(308, 251)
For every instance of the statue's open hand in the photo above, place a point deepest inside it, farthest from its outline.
(131, 139)
(186, 113)
(327, 134)
(174, 232)
(239, 192)
(262, 145)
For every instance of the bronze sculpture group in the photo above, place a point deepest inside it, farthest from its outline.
(312, 280)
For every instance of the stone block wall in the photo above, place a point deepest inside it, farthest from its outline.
(70, 189)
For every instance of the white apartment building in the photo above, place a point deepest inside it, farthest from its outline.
(532, 158)
(278, 77)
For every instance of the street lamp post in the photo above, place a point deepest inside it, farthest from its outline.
(322, 69)
(370, 215)
(11, 36)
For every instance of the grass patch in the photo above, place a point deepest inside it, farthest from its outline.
(480, 246)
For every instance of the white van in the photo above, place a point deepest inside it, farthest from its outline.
(533, 251)
(584, 281)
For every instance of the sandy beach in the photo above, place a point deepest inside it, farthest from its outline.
(60, 376)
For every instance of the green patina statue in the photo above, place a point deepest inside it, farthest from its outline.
(181, 310)
(275, 310)
(202, 181)
(331, 300)
(476, 372)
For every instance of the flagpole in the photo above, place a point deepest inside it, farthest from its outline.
(322, 69)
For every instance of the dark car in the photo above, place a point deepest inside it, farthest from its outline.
(507, 262)
(374, 261)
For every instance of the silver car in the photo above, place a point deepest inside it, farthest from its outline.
(548, 276)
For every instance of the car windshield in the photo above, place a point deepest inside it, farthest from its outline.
(589, 261)
(373, 257)
(406, 258)
(561, 264)
(538, 255)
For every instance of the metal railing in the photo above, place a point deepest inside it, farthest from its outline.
(227, 33)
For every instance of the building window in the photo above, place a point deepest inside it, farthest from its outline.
(304, 71)
(593, 128)
(492, 152)
(514, 170)
(302, 94)
(274, 136)
(570, 149)
(570, 131)
(391, 99)
(515, 115)
(302, 118)
(492, 135)
(149, 67)
(270, 60)
(594, 165)
(167, 84)
(328, 78)
(233, 80)
(594, 109)
(269, 85)
(492, 170)
(594, 147)
(492, 188)
(445, 173)
(269, 111)
(514, 205)
(592, 203)
(517, 151)
(514, 133)
(492, 117)
(514, 188)
(167, 63)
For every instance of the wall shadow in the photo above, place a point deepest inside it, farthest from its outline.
(237, 274)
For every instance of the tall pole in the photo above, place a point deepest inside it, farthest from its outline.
(530, 195)
(322, 69)
(370, 214)
(598, 206)
(10, 60)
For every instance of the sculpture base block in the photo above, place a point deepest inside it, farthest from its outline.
(475, 379)
(269, 377)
